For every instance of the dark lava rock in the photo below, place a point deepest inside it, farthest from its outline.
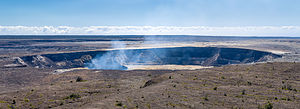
(148, 83)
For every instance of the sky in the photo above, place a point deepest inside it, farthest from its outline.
(38, 15)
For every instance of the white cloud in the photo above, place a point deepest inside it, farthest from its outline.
(153, 30)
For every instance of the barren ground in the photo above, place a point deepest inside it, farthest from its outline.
(259, 85)
(232, 86)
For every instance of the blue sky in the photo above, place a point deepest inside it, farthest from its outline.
(150, 12)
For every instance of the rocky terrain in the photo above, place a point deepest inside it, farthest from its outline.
(202, 72)
(234, 86)
(204, 56)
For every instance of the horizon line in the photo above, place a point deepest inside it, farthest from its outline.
(267, 31)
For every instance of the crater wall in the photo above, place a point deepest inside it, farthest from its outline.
(204, 56)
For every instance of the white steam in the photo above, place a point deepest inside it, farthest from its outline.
(110, 60)
(119, 58)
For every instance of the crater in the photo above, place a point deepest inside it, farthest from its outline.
(162, 58)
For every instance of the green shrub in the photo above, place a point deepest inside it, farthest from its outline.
(249, 83)
(243, 92)
(205, 98)
(73, 96)
(287, 87)
(215, 88)
(79, 79)
(286, 99)
(26, 100)
(269, 106)
(119, 104)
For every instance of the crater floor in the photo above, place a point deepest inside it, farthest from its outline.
(47, 72)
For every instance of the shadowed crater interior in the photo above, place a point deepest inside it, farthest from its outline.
(118, 59)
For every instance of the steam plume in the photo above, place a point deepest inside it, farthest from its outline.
(118, 59)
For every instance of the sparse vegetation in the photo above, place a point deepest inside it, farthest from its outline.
(10, 106)
(243, 92)
(73, 96)
(215, 88)
(148, 106)
(180, 92)
(79, 79)
(289, 87)
(108, 86)
(205, 98)
(118, 103)
(249, 83)
(2, 101)
(268, 106)
(26, 100)
(285, 99)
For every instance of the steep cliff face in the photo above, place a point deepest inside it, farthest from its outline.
(205, 56)
(46, 61)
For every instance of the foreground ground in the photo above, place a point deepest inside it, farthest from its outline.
(262, 85)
